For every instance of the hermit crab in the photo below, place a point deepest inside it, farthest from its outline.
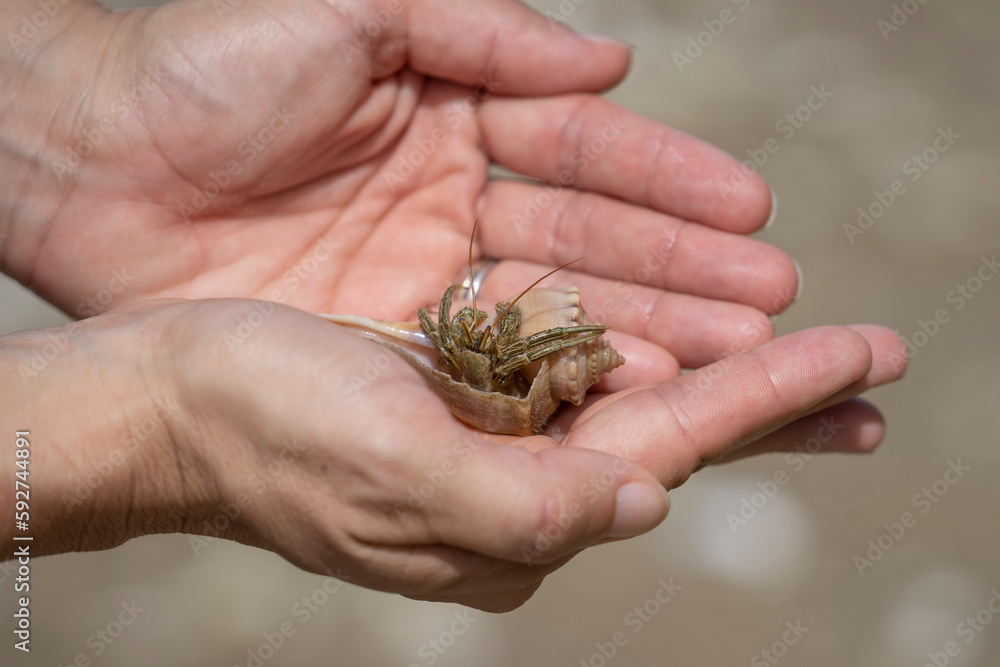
(510, 375)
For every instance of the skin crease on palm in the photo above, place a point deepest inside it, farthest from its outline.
(480, 83)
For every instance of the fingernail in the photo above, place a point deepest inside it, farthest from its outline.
(598, 38)
(639, 507)
(774, 209)
(798, 270)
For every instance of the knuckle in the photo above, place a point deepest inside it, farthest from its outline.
(552, 531)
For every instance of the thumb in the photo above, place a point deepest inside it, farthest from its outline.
(505, 47)
(516, 505)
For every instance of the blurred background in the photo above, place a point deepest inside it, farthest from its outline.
(816, 572)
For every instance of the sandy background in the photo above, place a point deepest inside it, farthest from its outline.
(792, 564)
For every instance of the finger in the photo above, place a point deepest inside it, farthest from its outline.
(528, 507)
(502, 46)
(888, 351)
(623, 242)
(888, 365)
(841, 422)
(675, 428)
(592, 144)
(694, 330)
(889, 362)
(854, 426)
(645, 363)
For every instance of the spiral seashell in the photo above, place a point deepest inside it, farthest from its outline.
(575, 369)
(564, 375)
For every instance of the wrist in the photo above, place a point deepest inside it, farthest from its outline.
(100, 409)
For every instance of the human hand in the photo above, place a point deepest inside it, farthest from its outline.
(270, 157)
(317, 218)
(281, 442)
(287, 441)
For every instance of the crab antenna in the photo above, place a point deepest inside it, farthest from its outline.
(472, 278)
(518, 298)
